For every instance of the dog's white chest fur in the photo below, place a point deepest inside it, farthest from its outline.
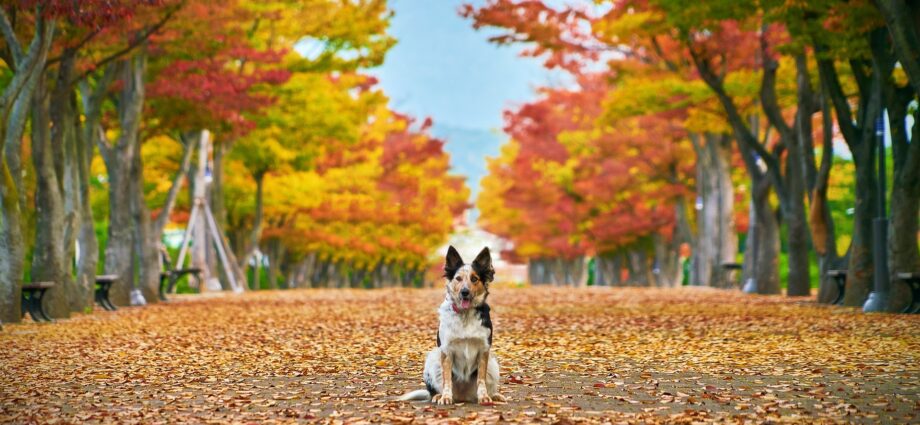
(463, 337)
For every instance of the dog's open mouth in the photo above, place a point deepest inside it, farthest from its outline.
(465, 302)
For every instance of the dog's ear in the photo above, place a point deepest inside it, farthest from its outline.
(482, 265)
(452, 263)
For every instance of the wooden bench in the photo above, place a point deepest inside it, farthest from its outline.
(169, 276)
(103, 285)
(727, 271)
(913, 281)
(840, 278)
(32, 294)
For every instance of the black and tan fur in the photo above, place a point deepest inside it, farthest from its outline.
(462, 367)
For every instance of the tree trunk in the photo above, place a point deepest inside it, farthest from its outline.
(275, 255)
(48, 262)
(86, 238)
(799, 279)
(14, 106)
(88, 136)
(861, 264)
(716, 240)
(256, 234)
(119, 160)
(903, 253)
(858, 131)
(765, 255)
(824, 234)
(761, 259)
(147, 237)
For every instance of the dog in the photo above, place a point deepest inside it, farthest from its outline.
(462, 367)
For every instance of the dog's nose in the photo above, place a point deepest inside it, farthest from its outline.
(465, 292)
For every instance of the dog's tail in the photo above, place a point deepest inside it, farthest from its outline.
(417, 395)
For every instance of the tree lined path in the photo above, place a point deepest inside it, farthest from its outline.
(629, 354)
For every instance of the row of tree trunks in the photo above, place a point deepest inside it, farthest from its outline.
(558, 271)
(788, 181)
(311, 271)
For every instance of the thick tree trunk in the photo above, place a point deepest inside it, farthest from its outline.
(760, 273)
(14, 107)
(799, 278)
(88, 136)
(766, 249)
(48, 261)
(716, 239)
(119, 160)
(796, 169)
(860, 268)
(903, 252)
(858, 131)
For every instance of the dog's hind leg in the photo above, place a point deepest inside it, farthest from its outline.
(432, 374)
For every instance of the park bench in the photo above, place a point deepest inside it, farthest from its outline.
(32, 294)
(728, 273)
(913, 281)
(840, 278)
(103, 285)
(169, 276)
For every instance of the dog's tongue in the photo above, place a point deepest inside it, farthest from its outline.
(464, 303)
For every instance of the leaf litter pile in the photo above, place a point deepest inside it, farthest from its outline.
(625, 355)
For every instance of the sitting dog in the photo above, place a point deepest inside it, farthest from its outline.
(461, 367)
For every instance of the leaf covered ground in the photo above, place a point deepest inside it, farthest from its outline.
(567, 355)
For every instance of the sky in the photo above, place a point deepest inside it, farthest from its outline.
(444, 69)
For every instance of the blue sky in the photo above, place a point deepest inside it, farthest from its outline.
(443, 68)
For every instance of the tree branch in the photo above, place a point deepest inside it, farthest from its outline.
(830, 84)
(768, 91)
(74, 48)
(904, 36)
(743, 134)
(9, 34)
(136, 41)
(660, 52)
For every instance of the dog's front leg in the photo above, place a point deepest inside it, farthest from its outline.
(447, 384)
(482, 393)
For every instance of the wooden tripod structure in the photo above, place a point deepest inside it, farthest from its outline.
(204, 230)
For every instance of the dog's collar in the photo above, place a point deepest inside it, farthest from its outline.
(454, 306)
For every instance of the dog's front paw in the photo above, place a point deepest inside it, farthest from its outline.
(444, 399)
(485, 399)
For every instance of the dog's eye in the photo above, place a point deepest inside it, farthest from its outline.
(474, 279)
(459, 278)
